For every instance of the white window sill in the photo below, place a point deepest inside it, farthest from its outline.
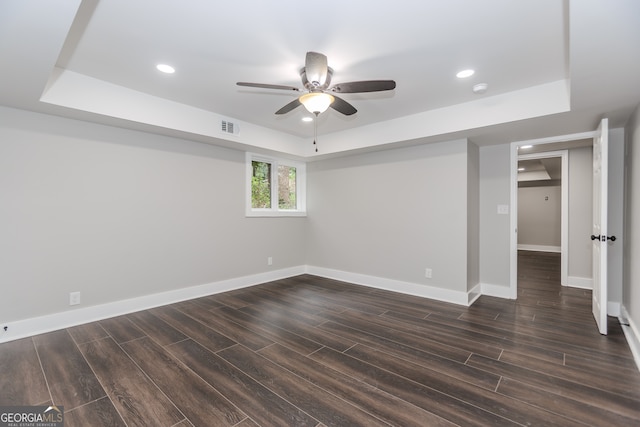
(273, 214)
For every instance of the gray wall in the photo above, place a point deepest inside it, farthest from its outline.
(473, 215)
(495, 188)
(117, 214)
(391, 214)
(539, 215)
(631, 287)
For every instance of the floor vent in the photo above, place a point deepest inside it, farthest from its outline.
(229, 127)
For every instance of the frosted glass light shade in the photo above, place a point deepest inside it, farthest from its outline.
(316, 102)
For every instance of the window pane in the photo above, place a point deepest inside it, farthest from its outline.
(287, 187)
(261, 185)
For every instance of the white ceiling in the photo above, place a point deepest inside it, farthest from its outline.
(552, 67)
(546, 169)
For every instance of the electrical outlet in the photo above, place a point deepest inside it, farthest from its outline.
(74, 298)
(428, 273)
(269, 260)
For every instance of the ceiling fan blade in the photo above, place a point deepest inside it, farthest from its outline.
(342, 106)
(364, 86)
(316, 68)
(267, 86)
(289, 107)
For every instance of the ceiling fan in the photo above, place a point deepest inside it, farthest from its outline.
(320, 95)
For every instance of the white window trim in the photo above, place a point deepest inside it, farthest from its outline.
(274, 211)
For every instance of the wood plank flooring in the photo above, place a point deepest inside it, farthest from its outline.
(309, 351)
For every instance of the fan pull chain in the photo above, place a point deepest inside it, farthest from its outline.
(315, 131)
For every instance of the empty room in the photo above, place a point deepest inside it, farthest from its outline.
(338, 214)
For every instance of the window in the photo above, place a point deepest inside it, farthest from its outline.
(275, 187)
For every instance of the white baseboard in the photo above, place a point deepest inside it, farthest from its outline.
(416, 289)
(580, 282)
(38, 325)
(498, 291)
(631, 333)
(539, 248)
(52, 322)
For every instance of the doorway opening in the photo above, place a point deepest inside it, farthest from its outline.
(543, 203)
(536, 150)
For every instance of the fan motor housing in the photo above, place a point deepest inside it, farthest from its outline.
(315, 85)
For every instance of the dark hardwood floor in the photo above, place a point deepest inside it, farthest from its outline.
(308, 351)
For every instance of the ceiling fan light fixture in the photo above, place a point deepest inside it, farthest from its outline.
(316, 102)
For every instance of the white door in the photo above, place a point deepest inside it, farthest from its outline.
(599, 236)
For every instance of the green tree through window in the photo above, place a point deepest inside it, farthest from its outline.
(261, 185)
(287, 187)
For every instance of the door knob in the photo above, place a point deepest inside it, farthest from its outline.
(603, 238)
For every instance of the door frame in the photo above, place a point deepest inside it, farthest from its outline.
(513, 220)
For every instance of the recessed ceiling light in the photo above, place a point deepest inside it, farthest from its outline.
(465, 73)
(524, 147)
(307, 119)
(168, 69)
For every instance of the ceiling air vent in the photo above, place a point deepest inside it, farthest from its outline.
(229, 127)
